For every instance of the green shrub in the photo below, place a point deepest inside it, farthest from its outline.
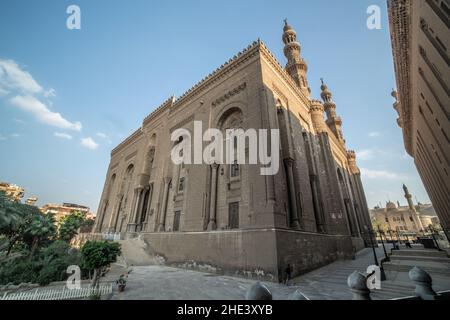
(48, 266)
(19, 270)
(97, 255)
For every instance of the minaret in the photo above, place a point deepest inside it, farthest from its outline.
(408, 197)
(415, 215)
(296, 67)
(333, 121)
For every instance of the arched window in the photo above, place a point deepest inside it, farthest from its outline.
(232, 119)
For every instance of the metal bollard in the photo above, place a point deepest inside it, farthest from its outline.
(423, 281)
(258, 292)
(357, 283)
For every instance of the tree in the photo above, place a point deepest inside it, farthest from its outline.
(97, 255)
(87, 225)
(54, 260)
(42, 227)
(15, 219)
(70, 225)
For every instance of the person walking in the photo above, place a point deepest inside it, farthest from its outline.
(288, 272)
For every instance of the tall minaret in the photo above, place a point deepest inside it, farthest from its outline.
(408, 197)
(333, 120)
(296, 67)
(415, 215)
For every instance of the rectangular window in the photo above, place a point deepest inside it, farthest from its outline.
(233, 215)
(181, 185)
(234, 168)
(176, 221)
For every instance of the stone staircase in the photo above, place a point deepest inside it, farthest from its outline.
(433, 261)
(136, 252)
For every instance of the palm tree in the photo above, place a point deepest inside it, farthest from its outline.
(42, 227)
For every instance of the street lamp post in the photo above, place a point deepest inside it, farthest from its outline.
(397, 233)
(434, 238)
(394, 245)
(382, 242)
(371, 234)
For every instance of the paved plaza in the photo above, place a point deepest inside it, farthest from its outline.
(327, 283)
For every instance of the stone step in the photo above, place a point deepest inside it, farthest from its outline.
(420, 253)
(406, 265)
(420, 258)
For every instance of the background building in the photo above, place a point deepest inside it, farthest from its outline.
(62, 210)
(420, 32)
(12, 191)
(310, 213)
(31, 201)
(411, 220)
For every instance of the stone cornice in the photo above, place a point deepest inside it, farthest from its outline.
(272, 60)
(127, 141)
(165, 105)
(257, 47)
(229, 94)
(400, 25)
(219, 73)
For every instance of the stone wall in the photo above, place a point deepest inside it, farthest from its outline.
(259, 253)
(308, 251)
(237, 252)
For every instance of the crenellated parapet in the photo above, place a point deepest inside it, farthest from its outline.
(351, 157)
(165, 105)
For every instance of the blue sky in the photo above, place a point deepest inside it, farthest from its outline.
(67, 97)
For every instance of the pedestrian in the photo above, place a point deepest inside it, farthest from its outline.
(288, 272)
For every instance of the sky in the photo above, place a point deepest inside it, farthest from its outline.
(68, 97)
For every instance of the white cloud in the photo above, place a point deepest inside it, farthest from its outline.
(89, 143)
(15, 135)
(365, 154)
(26, 91)
(104, 136)
(12, 77)
(374, 134)
(42, 113)
(63, 135)
(50, 93)
(379, 174)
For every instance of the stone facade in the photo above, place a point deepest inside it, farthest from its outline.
(420, 32)
(310, 213)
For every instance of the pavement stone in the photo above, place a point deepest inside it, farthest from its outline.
(158, 282)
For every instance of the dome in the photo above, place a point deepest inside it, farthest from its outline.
(391, 206)
(287, 27)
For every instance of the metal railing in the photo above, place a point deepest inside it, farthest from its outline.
(58, 294)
